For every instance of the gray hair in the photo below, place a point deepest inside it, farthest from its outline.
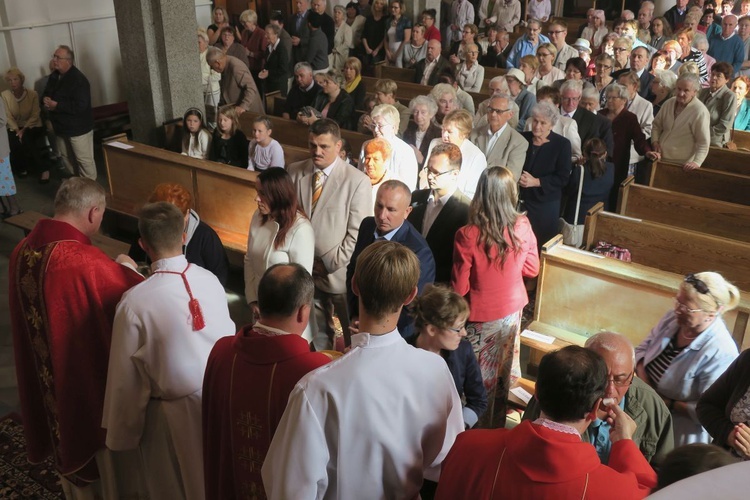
(340, 8)
(274, 27)
(502, 96)
(692, 78)
(575, 85)
(203, 35)
(388, 112)
(546, 111)
(499, 79)
(700, 41)
(590, 93)
(213, 54)
(303, 65)
(611, 342)
(79, 194)
(618, 91)
(667, 79)
(67, 49)
(427, 102)
(249, 16)
(441, 89)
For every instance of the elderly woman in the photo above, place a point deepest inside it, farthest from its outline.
(740, 87)
(545, 172)
(275, 72)
(456, 130)
(254, 40)
(342, 40)
(547, 73)
(402, 163)
(596, 29)
(220, 20)
(356, 22)
(440, 317)
(661, 31)
(421, 131)
(522, 97)
(684, 38)
(415, 50)
(229, 45)
(626, 132)
(445, 96)
(377, 152)
(622, 48)
(590, 99)
(565, 126)
(279, 233)
(603, 77)
(720, 102)
(458, 48)
(211, 79)
(333, 101)
(724, 409)
(689, 349)
(25, 128)
(492, 255)
(662, 86)
(682, 129)
(470, 74)
(353, 84)
(575, 69)
(397, 31)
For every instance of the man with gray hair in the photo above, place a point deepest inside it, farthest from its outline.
(303, 92)
(63, 294)
(237, 83)
(590, 124)
(501, 143)
(636, 398)
(498, 86)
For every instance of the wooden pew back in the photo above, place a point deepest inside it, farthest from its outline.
(580, 294)
(670, 248)
(703, 215)
(724, 186)
(725, 160)
(742, 139)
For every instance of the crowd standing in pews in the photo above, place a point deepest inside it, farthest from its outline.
(461, 187)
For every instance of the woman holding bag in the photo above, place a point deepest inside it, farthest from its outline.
(590, 183)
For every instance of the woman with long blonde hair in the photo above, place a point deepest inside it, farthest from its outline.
(491, 256)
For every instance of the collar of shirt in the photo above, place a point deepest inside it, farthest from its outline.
(557, 426)
(309, 87)
(369, 341)
(387, 236)
(496, 134)
(178, 263)
(443, 199)
(273, 47)
(727, 38)
(639, 73)
(271, 331)
(327, 171)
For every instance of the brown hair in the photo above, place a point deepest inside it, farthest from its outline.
(281, 197)
(595, 155)
(438, 306)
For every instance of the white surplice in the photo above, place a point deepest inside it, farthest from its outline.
(155, 376)
(371, 424)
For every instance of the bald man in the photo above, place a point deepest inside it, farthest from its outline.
(654, 434)
(429, 69)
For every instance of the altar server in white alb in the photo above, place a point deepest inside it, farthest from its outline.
(378, 421)
(163, 332)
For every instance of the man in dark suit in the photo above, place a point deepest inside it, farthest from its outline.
(429, 69)
(303, 92)
(392, 206)
(300, 33)
(639, 58)
(285, 39)
(327, 25)
(441, 210)
(589, 124)
(676, 15)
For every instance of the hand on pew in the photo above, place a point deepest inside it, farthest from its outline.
(653, 155)
(691, 165)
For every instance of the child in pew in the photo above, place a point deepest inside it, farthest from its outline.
(264, 151)
(229, 144)
(196, 138)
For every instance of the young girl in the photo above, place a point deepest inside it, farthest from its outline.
(264, 151)
(229, 143)
(196, 139)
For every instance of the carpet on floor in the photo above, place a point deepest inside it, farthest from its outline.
(18, 477)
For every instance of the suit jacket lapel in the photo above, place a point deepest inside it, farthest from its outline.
(331, 186)
(305, 187)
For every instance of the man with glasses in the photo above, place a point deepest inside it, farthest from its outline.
(498, 86)
(527, 44)
(635, 397)
(590, 124)
(67, 101)
(558, 30)
(499, 142)
(442, 209)
(402, 164)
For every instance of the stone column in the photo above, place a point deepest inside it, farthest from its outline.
(159, 52)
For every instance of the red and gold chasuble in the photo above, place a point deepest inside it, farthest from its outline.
(63, 294)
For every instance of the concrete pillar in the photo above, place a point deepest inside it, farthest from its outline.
(161, 68)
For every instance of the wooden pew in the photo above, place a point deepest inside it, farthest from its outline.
(407, 75)
(110, 246)
(704, 182)
(670, 248)
(292, 133)
(580, 294)
(742, 139)
(725, 160)
(408, 91)
(704, 215)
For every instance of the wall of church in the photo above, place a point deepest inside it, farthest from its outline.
(30, 30)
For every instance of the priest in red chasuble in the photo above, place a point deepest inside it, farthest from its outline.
(63, 293)
(248, 380)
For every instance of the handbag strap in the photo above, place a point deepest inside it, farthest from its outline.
(578, 201)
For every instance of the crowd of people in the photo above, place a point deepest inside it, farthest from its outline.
(387, 285)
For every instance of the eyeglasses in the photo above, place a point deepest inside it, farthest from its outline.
(435, 175)
(682, 307)
(701, 287)
(621, 380)
(495, 110)
(455, 330)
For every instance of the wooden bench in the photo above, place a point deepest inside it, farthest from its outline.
(704, 215)
(725, 160)
(742, 139)
(580, 293)
(110, 246)
(704, 182)
(670, 248)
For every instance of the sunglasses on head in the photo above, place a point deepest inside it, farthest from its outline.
(701, 287)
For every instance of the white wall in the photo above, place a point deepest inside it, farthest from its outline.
(30, 30)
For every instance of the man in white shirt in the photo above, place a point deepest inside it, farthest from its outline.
(163, 332)
(502, 145)
(557, 32)
(428, 70)
(378, 421)
(402, 164)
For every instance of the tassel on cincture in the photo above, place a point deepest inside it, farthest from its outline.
(195, 312)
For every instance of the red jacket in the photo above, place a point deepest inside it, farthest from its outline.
(531, 461)
(494, 292)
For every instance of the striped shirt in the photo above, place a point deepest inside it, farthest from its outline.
(663, 361)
